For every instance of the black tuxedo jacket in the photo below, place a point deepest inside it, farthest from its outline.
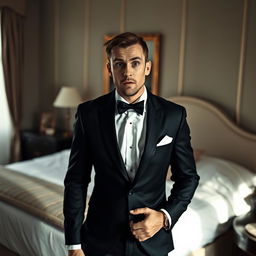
(95, 143)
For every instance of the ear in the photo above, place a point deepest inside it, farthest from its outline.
(109, 69)
(148, 67)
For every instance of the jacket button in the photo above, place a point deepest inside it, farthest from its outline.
(130, 193)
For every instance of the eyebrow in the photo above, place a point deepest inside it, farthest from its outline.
(134, 58)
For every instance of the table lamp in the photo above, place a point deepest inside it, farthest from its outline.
(68, 97)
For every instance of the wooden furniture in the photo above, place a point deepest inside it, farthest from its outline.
(243, 240)
(34, 144)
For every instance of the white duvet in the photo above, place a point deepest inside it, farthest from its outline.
(220, 195)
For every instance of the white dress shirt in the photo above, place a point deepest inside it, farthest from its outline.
(131, 135)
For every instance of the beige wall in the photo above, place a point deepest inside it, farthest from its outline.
(71, 37)
(31, 65)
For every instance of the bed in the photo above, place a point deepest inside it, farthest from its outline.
(224, 152)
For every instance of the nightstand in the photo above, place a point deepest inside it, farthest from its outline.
(34, 144)
(243, 240)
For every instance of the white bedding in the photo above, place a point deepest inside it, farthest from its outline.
(222, 188)
(223, 185)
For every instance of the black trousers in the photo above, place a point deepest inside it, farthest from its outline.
(125, 247)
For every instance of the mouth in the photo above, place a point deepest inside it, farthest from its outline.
(128, 82)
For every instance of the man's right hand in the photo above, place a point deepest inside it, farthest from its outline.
(76, 252)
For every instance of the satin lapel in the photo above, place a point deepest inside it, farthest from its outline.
(107, 122)
(154, 121)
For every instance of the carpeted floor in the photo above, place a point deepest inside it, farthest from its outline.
(5, 252)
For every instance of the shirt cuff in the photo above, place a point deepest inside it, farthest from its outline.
(168, 216)
(74, 247)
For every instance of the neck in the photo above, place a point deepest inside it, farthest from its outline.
(132, 99)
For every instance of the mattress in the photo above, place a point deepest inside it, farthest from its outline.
(220, 196)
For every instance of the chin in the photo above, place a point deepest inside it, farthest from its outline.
(130, 92)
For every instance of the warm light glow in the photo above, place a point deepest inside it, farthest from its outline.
(68, 97)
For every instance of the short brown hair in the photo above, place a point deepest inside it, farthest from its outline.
(124, 40)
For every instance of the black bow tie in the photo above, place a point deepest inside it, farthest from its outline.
(122, 107)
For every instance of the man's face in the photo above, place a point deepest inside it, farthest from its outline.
(128, 69)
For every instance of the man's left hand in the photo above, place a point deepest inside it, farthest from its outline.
(151, 224)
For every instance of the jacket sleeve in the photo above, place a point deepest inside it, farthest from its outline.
(76, 182)
(184, 172)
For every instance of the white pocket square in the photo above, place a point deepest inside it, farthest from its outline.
(164, 141)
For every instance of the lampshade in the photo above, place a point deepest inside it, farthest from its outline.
(67, 97)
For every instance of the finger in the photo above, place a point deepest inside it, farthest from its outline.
(143, 239)
(140, 232)
(141, 235)
(138, 225)
(144, 210)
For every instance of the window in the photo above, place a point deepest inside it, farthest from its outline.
(5, 118)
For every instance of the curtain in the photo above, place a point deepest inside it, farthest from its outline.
(12, 58)
(18, 6)
(5, 118)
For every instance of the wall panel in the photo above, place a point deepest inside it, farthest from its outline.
(46, 55)
(71, 43)
(248, 108)
(105, 19)
(162, 17)
(31, 66)
(213, 50)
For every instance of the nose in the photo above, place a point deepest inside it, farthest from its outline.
(128, 71)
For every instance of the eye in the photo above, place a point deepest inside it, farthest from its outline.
(119, 64)
(135, 63)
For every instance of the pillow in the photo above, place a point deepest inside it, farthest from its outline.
(228, 179)
(209, 167)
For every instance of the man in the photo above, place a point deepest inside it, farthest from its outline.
(131, 137)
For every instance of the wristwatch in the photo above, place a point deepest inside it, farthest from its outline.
(166, 224)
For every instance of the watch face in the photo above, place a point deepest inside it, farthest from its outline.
(166, 222)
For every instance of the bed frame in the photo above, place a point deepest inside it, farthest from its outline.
(216, 134)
